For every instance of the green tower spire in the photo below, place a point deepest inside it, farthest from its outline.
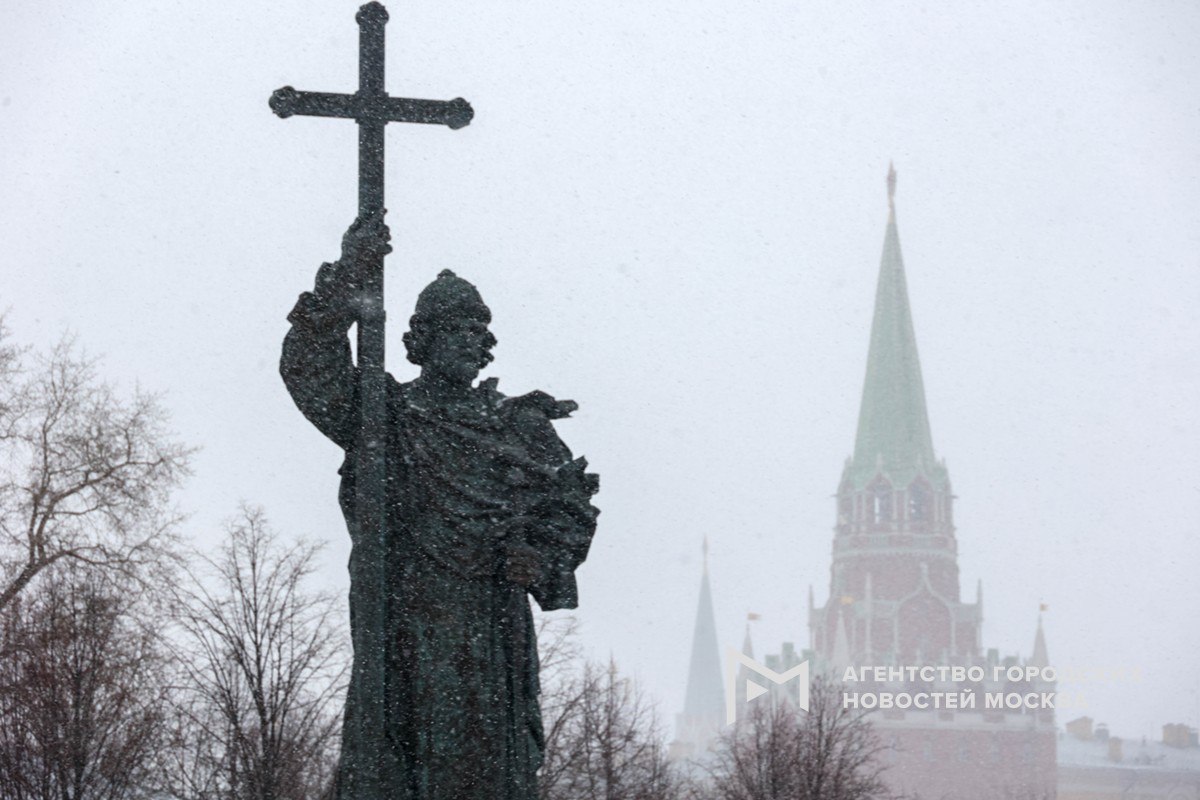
(893, 425)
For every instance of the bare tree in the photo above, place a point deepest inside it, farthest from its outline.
(82, 690)
(260, 697)
(776, 752)
(759, 758)
(602, 738)
(559, 655)
(10, 358)
(85, 475)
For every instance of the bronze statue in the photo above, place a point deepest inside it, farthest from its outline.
(485, 505)
(460, 501)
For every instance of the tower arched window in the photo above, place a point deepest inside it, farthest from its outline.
(920, 502)
(879, 502)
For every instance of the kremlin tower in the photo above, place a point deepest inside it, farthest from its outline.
(894, 594)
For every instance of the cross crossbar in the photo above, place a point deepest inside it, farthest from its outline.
(454, 114)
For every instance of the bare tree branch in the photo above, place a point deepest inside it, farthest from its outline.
(776, 752)
(261, 688)
(82, 690)
(603, 740)
(85, 475)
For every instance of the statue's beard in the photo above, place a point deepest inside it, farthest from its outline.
(464, 368)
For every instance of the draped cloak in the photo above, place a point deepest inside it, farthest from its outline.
(463, 721)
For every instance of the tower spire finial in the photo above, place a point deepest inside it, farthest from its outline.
(891, 184)
(704, 547)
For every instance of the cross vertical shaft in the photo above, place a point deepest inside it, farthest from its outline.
(371, 19)
(368, 770)
(368, 779)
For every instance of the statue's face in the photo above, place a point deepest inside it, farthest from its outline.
(459, 349)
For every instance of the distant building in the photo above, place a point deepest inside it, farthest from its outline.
(1094, 765)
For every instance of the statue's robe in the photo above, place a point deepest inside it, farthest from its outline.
(463, 721)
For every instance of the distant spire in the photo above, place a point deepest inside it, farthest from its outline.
(893, 424)
(891, 184)
(704, 549)
(812, 619)
(705, 695)
(840, 659)
(869, 604)
(1040, 656)
(746, 689)
(979, 614)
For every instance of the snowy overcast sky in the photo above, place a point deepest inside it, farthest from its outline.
(676, 211)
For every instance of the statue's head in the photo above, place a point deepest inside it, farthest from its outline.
(448, 335)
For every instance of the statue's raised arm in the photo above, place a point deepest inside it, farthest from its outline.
(316, 365)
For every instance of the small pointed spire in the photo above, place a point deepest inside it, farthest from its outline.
(868, 601)
(704, 549)
(891, 184)
(813, 622)
(840, 658)
(746, 689)
(705, 694)
(1041, 657)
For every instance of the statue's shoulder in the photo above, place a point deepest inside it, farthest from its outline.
(399, 395)
(536, 403)
(491, 395)
(397, 389)
(530, 417)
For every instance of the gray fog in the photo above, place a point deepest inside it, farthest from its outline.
(676, 212)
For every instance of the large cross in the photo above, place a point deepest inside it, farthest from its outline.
(367, 777)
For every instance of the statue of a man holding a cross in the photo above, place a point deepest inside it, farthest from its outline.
(485, 506)
(461, 502)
